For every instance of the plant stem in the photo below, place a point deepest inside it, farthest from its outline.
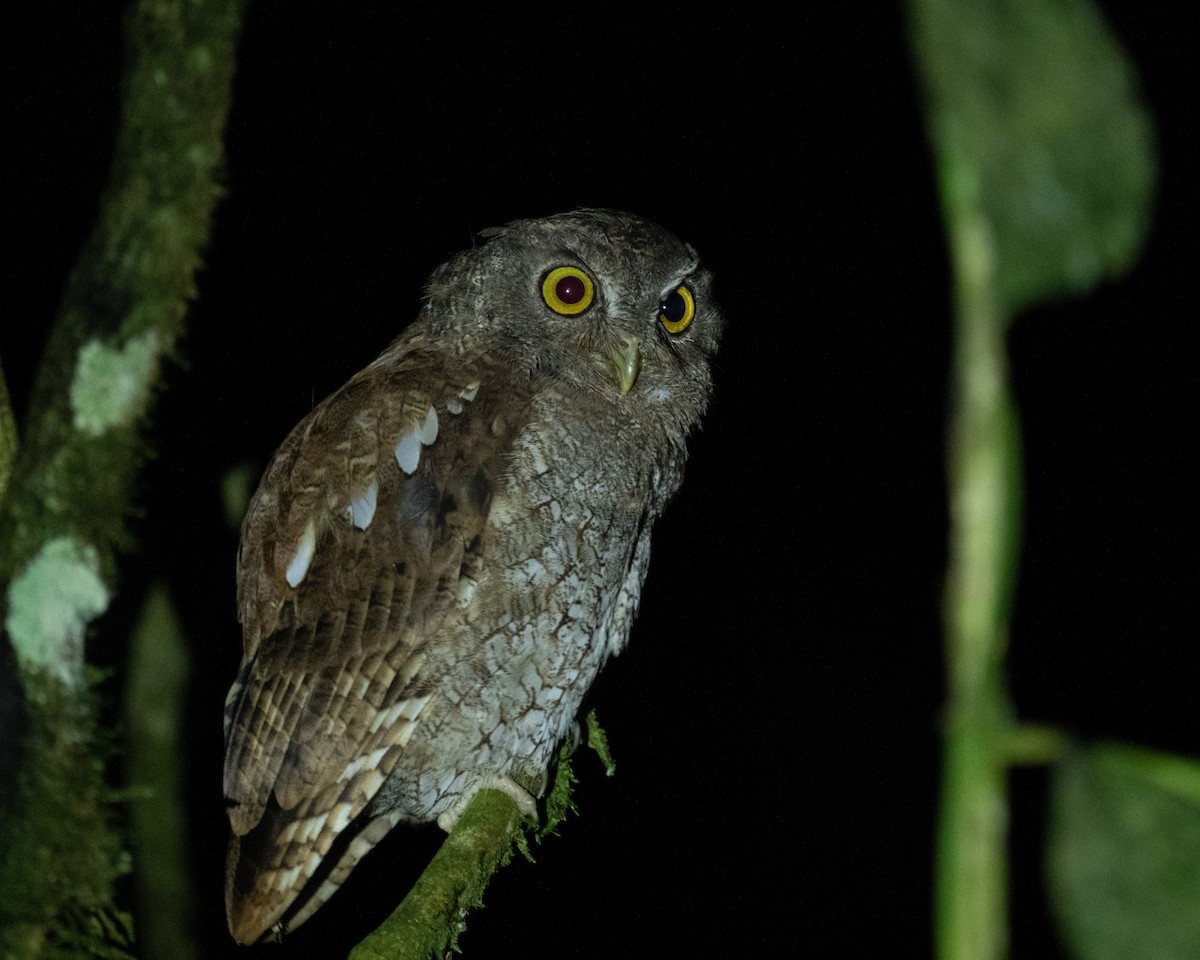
(984, 507)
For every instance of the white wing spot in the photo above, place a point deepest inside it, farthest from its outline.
(408, 449)
(468, 392)
(362, 508)
(408, 452)
(429, 430)
(304, 554)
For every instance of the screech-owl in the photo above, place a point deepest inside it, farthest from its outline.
(443, 553)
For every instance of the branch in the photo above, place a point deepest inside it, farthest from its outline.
(69, 495)
(429, 919)
(427, 923)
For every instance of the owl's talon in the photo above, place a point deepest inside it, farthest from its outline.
(507, 785)
(574, 736)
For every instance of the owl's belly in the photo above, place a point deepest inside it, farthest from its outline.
(557, 609)
(567, 553)
(500, 712)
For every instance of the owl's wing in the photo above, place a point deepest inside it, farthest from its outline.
(367, 532)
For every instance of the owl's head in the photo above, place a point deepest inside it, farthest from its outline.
(598, 302)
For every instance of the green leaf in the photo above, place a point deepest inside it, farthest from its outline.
(1034, 114)
(1124, 854)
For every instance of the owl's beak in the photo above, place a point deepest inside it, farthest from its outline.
(626, 362)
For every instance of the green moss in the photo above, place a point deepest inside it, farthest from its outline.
(427, 923)
(597, 739)
(60, 854)
(560, 801)
(71, 485)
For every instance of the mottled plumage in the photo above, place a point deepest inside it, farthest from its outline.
(441, 556)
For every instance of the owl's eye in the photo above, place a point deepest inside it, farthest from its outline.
(677, 310)
(567, 290)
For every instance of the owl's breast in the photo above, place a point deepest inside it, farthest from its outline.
(578, 496)
(567, 550)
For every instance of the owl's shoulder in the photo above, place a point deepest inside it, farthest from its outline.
(410, 442)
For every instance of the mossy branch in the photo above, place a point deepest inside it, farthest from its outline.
(124, 303)
(69, 495)
(429, 919)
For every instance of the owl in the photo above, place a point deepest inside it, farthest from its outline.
(442, 554)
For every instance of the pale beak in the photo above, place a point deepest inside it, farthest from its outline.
(626, 362)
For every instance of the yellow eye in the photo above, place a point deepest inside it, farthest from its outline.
(677, 310)
(568, 290)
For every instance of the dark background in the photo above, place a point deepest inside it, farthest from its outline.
(776, 718)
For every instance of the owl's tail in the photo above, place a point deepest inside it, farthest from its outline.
(274, 883)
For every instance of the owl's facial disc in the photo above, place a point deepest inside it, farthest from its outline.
(570, 292)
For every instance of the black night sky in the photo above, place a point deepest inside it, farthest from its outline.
(775, 719)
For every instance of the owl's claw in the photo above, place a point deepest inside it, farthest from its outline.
(574, 736)
(523, 799)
